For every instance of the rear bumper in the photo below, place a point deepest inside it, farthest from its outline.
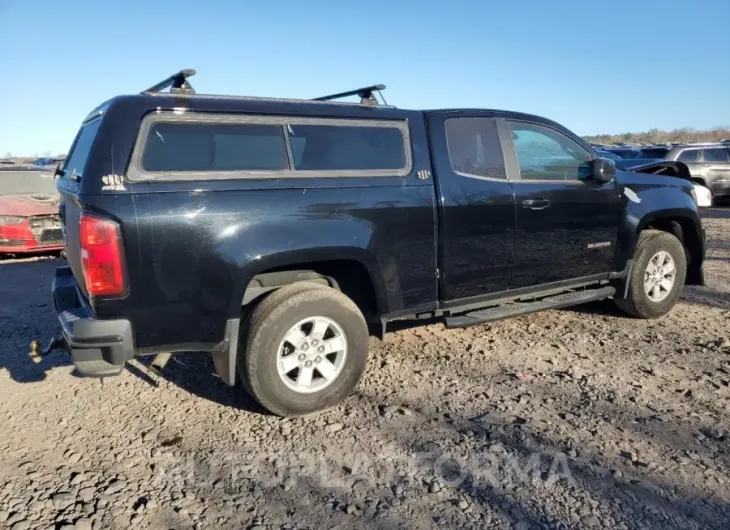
(720, 188)
(22, 248)
(98, 348)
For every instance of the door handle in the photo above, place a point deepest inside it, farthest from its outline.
(705, 165)
(535, 204)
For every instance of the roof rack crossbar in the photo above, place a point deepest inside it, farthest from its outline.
(177, 82)
(366, 95)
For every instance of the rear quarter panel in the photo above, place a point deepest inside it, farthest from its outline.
(191, 254)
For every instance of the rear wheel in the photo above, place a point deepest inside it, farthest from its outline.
(304, 349)
(657, 276)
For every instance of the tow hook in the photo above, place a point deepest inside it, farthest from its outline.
(36, 354)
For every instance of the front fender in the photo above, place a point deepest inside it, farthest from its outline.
(649, 199)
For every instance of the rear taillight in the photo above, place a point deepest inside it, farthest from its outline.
(102, 256)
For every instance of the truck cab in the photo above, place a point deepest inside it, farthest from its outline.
(278, 235)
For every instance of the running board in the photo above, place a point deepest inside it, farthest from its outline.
(513, 309)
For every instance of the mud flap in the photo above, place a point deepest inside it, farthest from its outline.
(622, 283)
(224, 359)
(695, 276)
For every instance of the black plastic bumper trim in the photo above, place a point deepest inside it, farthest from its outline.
(97, 347)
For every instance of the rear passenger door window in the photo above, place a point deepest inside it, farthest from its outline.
(474, 148)
(715, 155)
(689, 156)
(544, 153)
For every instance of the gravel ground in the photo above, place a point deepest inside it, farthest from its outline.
(566, 419)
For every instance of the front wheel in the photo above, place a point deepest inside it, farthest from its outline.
(304, 349)
(657, 276)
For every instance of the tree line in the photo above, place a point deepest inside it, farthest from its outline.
(656, 136)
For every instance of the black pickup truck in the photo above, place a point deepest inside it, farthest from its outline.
(278, 235)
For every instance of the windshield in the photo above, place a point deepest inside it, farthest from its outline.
(80, 150)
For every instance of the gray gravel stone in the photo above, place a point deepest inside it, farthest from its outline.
(114, 487)
(63, 499)
(289, 484)
(333, 428)
(78, 479)
(83, 524)
(105, 499)
(648, 486)
(86, 494)
(36, 506)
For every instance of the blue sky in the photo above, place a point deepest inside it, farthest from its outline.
(611, 66)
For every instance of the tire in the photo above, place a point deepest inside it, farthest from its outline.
(639, 303)
(263, 341)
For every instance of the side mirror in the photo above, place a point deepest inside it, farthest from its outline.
(603, 170)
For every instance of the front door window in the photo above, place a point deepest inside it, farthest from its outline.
(546, 154)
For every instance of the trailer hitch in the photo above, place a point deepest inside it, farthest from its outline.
(37, 354)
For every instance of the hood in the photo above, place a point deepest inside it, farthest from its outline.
(629, 163)
(27, 205)
(668, 168)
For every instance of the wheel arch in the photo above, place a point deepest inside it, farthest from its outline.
(353, 273)
(686, 230)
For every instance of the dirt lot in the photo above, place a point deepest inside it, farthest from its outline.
(566, 419)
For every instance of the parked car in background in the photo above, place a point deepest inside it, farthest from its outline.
(709, 164)
(29, 221)
(12, 165)
(605, 153)
(48, 163)
(623, 152)
(654, 151)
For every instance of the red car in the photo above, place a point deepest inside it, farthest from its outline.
(29, 224)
